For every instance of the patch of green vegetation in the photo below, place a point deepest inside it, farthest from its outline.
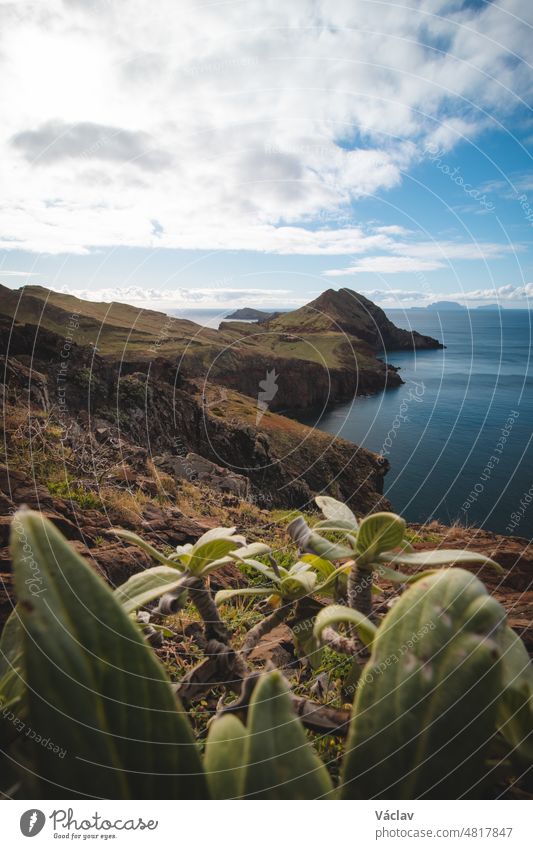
(241, 615)
(416, 537)
(75, 492)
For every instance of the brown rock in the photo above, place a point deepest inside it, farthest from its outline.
(276, 646)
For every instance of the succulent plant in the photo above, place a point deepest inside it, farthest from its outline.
(369, 545)
(92, 684)
(269, 759)
(425, 710)
(446, 676)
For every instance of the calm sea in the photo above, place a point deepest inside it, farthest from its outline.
(458, 434)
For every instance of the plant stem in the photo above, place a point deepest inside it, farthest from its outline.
(202, 599)
(258, 631)
(360, 588)
(340, 643)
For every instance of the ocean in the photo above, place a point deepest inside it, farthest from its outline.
(458, 434)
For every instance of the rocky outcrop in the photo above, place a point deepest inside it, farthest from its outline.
(249, 314)
(349, 312)
(194, 468)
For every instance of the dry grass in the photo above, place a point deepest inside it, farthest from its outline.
(125, 503)
(167, 488)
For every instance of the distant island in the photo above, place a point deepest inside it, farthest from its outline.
(454, 306)
(250, 314)
(440, 306)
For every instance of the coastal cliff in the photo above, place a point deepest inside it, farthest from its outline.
(323, 353)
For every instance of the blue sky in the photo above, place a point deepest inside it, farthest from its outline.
(257, 154)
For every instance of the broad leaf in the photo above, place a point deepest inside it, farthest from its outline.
(225, 595)
(219, 533)
(439, 557)
(146, 586)
(129, 536)
(298, 584)
(215, 549)
(299, 531)
(11, 643)
(266, 571)
(94, 688)
(224, 757)
(515, 707)
(324, 568)
(280, 761)
(333, 525)
(425, 708)
(326, 549)
(335, 614)
(255, 549)
(336, 510)
(397, 577)
(380, 532)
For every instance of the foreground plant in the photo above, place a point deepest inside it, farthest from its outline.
(370, 547)
(84, 668)
(184, 574)
(309, 576)
(446, 681)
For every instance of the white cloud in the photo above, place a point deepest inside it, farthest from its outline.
(231, 124)
(508, 294)
(385, 265)
(419, 256)
(6, 273)
(212, 297)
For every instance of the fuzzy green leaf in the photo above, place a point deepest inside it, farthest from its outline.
(298, 584)
(380, 532)
(323, 568)
(94, 688)
(224, 757)
(266, 571)
(280, 761)
(129, 536)
(255, 549)
(336, 510)
(334, 614)
(425, 708)
(326, 549)
(225, 595)
(146, 586)
(202, 555)
(397, 577)
(439, 557)
(515, 707)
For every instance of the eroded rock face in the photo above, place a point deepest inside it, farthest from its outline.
(195, 468)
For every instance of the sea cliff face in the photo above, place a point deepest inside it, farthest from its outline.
(303, 385)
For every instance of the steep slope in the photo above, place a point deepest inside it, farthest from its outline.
(348, 312)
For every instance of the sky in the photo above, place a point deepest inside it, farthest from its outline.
(189, 155)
